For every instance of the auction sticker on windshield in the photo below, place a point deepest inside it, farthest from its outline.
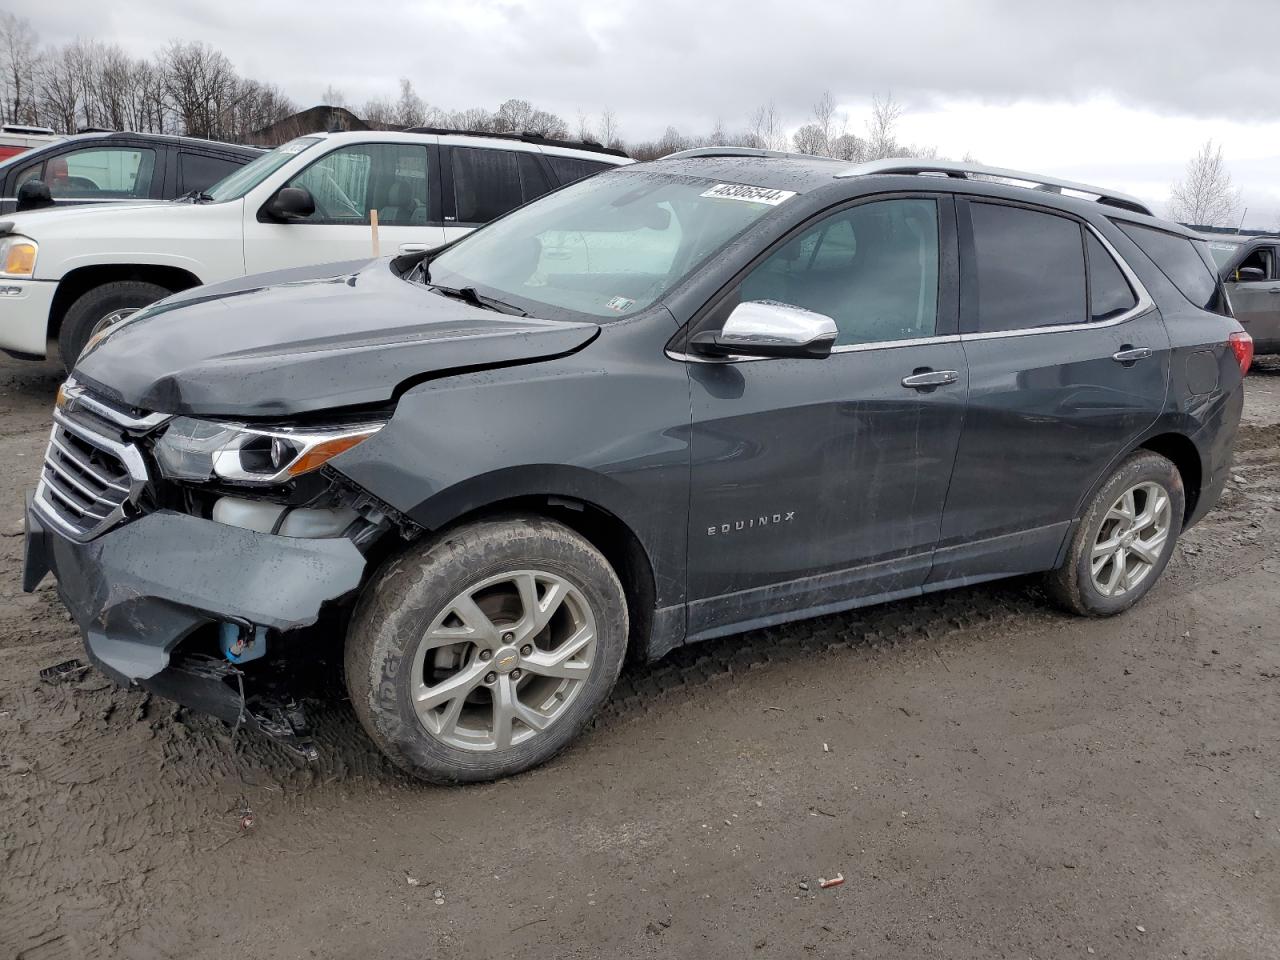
(742, 191)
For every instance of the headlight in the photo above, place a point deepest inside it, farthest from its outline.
(191, 449)
(18, 257)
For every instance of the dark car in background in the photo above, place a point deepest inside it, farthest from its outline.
(117, 167)
(673, 401)
(1250, 268)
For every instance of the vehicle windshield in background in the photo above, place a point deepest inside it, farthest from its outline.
(236, 185)
(607, 246)
(1222, 251)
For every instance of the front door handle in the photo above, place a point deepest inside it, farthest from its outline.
(1131, 354)
(926, 379)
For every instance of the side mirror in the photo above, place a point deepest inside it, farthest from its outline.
(33, 195)
(765, 328)
(1250, 274)
(290, 203)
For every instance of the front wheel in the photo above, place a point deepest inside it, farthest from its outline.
(1125, 539)
(485, 653)
(100, 309)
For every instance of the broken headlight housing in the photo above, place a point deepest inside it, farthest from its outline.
(200, 450)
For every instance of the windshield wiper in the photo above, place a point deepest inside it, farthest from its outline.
(472, 296)
(196, 196)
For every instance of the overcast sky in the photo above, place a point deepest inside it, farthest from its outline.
(1115, 91)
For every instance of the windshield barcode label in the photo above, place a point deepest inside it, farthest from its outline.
(741, 191)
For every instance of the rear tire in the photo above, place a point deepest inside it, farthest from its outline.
(104, 304)
(1125, 539)
(486, 652)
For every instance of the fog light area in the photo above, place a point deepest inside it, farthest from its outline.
(311, 523)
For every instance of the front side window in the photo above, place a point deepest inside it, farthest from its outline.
(606, 247)
(1029, 268)
(573, 169)
(873, 269)
(237, 184)
(349, 182)
(489, 183)
(102, 173)
(1109, 292)
(1262, 258)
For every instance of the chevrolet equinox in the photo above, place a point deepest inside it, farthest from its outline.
(677, 400)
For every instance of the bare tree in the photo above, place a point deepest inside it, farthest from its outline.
(609, 133)
(411, 111)
(201, 85)
(59, 92)
(848, 146)
(585, 132)
(824, 115)
(18, 65)
(1205, 195)
(810, 139)
(766, 127)
(331, 96)
(882, 138)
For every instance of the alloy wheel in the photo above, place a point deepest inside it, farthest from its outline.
(503, 660)
(1131, 539)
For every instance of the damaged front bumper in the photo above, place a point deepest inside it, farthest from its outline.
(137, 591)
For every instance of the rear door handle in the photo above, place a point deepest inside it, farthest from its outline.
(929, 379)
(1131, 354)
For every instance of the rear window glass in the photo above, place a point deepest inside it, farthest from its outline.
(486, 183)
(1029, 267)
(1109, 292)
(569, 169)
(196, 171)
(1180, 261)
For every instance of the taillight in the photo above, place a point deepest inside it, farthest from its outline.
(1242, 346)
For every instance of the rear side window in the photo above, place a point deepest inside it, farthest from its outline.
(1109, 292)
(196, 172)
(569, 169)
(489, 183)
(1180, 261)
(1029, 268)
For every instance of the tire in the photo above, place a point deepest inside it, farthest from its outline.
(98, 304)
(407, 636)
(1075, 585)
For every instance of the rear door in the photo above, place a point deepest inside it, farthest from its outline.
(817, 483)
(482, 183)
(396, 179)
(1068, 363)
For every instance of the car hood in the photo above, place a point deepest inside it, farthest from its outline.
(305, 340)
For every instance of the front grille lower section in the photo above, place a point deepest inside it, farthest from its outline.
(89, 482)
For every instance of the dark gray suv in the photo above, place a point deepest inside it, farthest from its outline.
(677, 400)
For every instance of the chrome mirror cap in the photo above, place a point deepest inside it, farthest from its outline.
(766, 328)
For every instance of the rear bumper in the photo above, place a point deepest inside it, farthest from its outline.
(24, 315)
(136, 591)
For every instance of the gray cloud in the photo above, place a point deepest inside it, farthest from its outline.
(657, 62)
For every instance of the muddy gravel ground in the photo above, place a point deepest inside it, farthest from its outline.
(992, 779)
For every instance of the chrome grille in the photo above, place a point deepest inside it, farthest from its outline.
(89, 481)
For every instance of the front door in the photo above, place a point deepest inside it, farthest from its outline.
(1256, 303)
(1068, 364)
(393, 178)
(820, 483)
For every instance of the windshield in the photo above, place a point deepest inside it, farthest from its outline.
(1222, 252)
(237, 184)
(606, 246)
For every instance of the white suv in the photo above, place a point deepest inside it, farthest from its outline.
(66, 274)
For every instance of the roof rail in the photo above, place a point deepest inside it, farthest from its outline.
(537, 138)
(967, 171)
(730, 151)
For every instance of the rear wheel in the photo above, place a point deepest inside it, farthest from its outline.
(486, 653)
(1124, 540)
(101, 308)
